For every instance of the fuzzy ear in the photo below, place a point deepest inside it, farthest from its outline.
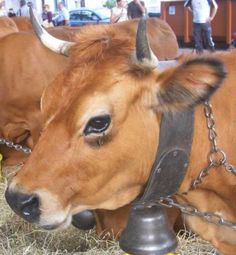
(188, 84)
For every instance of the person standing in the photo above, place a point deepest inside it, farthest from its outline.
(203, 12)
(24, 9)
(63, 17)
(136, 9)
(47, 16)
(119, 13)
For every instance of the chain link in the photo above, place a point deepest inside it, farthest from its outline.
(193, 211)
(216, 156)
(230, 168)
(17, 147)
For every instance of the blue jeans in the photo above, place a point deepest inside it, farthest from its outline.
(234, 43)
(203, 32)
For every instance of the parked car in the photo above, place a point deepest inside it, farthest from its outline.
(84, 16)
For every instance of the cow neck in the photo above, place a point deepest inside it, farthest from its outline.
(172, 157)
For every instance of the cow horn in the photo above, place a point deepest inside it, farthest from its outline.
(54, 44)
(144, 54)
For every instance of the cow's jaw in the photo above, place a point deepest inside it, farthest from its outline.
(116, 200)
(55, 214)
(52, 224)
(52, 215)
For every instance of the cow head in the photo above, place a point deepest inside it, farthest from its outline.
(101, 129)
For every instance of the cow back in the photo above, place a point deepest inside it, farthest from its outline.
(7, 26)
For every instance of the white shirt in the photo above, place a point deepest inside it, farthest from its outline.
(201, 11)
(120, 11)
(24, 11)
(63, 14)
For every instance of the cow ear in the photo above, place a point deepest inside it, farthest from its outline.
(188, 84)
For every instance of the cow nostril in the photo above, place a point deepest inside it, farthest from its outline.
(26, 206)
(30, 208)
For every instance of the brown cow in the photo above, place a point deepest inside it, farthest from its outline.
(26, 69)
(19, 123)
(22, 23)
(62, 32)
(102, 117)
(20, 117)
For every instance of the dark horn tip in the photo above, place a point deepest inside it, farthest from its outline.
(142, 23)
(142, 46)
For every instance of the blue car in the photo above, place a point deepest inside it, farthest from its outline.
(85, 16)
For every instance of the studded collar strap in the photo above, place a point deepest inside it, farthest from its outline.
(172, 156)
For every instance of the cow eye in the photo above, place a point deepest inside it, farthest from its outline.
(97, 124)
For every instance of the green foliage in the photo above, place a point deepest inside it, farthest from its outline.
(110, 4)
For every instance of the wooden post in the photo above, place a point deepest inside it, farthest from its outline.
(163, 11)
(186, 26)
(229, 22)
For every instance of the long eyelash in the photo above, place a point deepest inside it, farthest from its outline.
(100, 141)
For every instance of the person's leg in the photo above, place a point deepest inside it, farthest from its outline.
(197, 34)
(60, 23)
(207, 31)
(234, 43)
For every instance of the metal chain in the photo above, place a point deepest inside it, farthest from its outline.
(216, 157)
(17, 147)
(193, 211)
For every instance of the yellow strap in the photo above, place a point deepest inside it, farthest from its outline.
(1, 175)
(166, 254)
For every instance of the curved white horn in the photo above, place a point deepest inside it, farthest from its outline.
(52, 43)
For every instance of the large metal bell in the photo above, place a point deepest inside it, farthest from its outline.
(84, 220)
(148, 232)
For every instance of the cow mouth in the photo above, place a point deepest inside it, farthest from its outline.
(59, 225)
(84, 220)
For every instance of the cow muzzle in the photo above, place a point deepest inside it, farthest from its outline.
(40, 207)
(48, 215)
(26, 206)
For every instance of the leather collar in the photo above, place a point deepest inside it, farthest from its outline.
(172, 156)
